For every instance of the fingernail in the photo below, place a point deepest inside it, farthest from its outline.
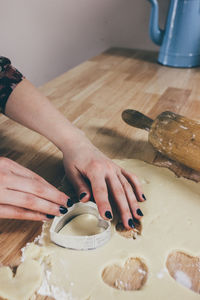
(63, 210)
(82, 195)
(50, 216)
(70, 202)
(108, 214)
(143, 196)
(139, 212)
(130, 223)
(136, 221)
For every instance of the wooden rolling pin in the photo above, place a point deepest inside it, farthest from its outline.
(173, 135)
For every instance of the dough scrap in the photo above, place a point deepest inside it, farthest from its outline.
(171, 223)
(24, 284)
(132, 233)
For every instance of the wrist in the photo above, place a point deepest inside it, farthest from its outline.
(69, 137)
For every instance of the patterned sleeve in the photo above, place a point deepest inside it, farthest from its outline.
(9, 78)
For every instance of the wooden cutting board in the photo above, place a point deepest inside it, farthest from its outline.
(93, 96)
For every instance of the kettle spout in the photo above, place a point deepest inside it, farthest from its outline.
(156, 33)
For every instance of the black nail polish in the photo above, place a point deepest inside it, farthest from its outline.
(50, 216)
(130, 223)
(139, 212)
(70, 202)
(143, 196)
(136, 221)
(63, 210)
(108, 214)
(82, 195)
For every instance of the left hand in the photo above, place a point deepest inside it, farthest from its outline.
(83, 162)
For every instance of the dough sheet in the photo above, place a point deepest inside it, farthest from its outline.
(171, 222)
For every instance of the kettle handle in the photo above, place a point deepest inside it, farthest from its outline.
(155, 32)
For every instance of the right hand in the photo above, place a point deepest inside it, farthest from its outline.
(25, 195)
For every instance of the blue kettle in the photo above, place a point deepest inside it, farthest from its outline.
(180, 40)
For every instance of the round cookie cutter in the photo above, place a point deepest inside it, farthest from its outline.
(80, 242)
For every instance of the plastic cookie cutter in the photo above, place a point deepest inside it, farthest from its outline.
(75, 241)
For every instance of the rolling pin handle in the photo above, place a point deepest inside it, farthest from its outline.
(136, 119)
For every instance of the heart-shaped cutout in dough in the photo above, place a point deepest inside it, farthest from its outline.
(132, 276)
(24, 284)
(185, 269)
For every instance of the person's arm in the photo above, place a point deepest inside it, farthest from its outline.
(82, 160)
(27, 106)
(24, 194)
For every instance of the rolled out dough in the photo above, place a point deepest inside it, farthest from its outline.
(171, 222)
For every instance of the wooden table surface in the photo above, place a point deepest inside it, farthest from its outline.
(93, 96)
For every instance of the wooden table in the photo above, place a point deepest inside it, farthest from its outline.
(93, 96)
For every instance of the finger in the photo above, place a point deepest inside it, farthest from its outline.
(119, 195)
(18, 169)
(35, 187)
(131, 198)
(82, 189)
(12, 212)
(135, 183)
(31, 202)
(100, 194)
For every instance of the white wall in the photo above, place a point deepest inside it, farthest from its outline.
(45, 38)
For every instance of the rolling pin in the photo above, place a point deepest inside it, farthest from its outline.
(173, 135)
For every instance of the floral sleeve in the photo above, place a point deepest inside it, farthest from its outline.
(9, 78)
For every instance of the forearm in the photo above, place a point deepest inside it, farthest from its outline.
(91, 173)
(27, 106)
